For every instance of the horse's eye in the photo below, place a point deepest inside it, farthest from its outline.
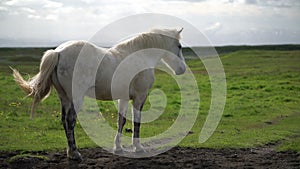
(179, 46)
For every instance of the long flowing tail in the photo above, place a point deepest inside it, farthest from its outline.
(39, 87)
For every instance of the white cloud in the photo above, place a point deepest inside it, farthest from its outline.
(12, 2)
(34, 16)
(214, 27)
(280, 3)
(52, 4)
(88, 1)
(24, 3)
(2, 8)
(51, 17)
(29, 10)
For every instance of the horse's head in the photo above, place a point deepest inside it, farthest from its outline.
(173, 57)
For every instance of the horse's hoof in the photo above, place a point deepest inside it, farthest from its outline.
(74, 155)
(118, 151)
(140, 151)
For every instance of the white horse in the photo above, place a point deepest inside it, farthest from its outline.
(57, 68)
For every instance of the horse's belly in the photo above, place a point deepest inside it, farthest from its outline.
(108, 89)
(104, 89)
(100, 93)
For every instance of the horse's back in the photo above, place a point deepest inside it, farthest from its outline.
(73, 48)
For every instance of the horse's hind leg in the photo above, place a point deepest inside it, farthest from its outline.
(123, 106)
(69, 121)
(137, 107)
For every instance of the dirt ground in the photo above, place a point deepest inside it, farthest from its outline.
(262, 157)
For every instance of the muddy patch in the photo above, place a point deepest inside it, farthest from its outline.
(262, 157)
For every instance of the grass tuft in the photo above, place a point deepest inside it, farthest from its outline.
(27, 156)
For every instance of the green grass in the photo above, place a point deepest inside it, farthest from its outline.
(263, 89)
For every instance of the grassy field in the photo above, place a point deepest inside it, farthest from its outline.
(263, 89)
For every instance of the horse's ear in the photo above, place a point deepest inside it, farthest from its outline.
(180, 30)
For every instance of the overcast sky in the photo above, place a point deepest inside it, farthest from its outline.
(224, 22)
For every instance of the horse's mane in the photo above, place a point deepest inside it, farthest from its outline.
(172, 33)
(155, 38)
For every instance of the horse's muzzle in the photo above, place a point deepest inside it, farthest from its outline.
(181, 69)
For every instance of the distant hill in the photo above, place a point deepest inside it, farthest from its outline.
(205, 51)
(27, 43)
(228, 49)
(29, 52)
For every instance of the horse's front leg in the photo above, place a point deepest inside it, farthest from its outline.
(137, 107)
(69, 122)
(123, 106)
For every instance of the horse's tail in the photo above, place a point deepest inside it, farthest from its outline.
(39, 87)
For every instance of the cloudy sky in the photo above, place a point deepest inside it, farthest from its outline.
(224, 22)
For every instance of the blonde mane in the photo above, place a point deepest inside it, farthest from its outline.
(155, 38)
(172, 33)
